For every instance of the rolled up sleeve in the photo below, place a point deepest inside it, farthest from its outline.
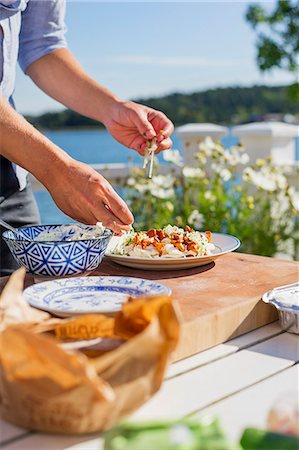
(42, 30)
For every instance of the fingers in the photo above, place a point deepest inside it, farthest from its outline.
(115, 226)
(168, 129)
(164, 145)
(109, 220)
(162, 125)
(150, 124)
(139, 144)
(117, 207)
(143, 125)
(107, 207)
(102, 214)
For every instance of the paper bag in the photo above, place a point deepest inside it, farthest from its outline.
(47, 388)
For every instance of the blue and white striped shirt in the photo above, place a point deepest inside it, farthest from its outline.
(29, 29)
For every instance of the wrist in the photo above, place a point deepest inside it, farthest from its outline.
(106, 109)
(52, 165)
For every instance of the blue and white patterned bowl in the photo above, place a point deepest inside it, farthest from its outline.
(56, 259)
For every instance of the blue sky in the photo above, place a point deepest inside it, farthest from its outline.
(142, 49)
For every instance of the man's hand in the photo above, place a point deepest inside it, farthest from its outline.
(133, 124)
(86, 196)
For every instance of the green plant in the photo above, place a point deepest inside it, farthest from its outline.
(278, 38)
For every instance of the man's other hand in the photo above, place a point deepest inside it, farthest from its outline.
(86, 196)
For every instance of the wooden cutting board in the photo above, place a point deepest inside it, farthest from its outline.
(221, 300)
(218, 301)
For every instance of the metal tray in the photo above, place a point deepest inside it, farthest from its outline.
(286, 301)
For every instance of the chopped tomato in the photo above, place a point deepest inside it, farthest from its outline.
(192, 247)
(176, 237)
(161, 235)
(152, 232)
(209, 236)
(190, 230)
(159, 246)
(179, 246)
(145, 243)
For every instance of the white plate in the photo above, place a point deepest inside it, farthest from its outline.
(224, 243)
(86, 295)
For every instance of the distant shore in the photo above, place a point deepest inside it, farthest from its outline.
(225, 106)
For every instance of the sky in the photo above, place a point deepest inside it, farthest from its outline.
(143, 49)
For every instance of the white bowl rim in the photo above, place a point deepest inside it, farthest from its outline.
(103, 236)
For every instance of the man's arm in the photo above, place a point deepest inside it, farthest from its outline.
(77, 189)
(43, 56)
(60, 75)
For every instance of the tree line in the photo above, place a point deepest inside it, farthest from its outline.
(230, 105)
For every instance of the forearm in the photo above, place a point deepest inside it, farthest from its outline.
(22, 144)
(61, 76)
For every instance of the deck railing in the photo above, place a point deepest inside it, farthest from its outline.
(260, 139)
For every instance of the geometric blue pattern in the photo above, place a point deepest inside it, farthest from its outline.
(54, 259)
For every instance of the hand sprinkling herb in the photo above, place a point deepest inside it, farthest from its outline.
(149, 154)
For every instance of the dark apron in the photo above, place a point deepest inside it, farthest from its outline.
(18, 209)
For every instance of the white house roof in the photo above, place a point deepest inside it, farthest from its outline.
(201, 129)
(274, 129)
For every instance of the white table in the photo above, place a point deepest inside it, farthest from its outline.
(238, 381)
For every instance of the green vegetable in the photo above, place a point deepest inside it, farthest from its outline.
(184, 434)
(254, 439)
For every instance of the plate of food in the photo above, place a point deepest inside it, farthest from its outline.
(89, 295)
(169, 248)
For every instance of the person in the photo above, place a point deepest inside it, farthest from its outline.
(33, 32)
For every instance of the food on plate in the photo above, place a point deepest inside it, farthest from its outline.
(168, 242)
(76, 232)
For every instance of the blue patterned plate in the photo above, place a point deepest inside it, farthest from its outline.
(85, 295)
